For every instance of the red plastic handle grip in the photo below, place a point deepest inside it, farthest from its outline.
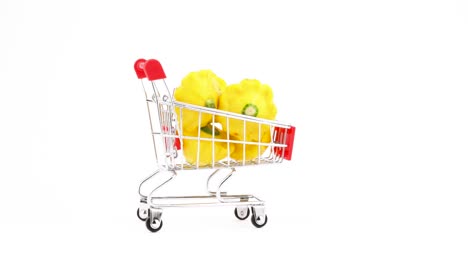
(284, 136)
(150, 69)
(154, 70)
(140, 68)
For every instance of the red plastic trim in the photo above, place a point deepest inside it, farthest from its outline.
(154, 70)
(177, 143)
(176, 139)
(284, 136)
(139, 68)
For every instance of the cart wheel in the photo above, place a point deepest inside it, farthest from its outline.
(242, 213)
(155, 225)
(142, 214)
(154, 222)
(258, 220)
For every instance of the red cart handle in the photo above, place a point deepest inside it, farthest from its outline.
(139, 68)
(150, 69)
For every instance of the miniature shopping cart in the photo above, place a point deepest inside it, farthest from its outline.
(166, 121)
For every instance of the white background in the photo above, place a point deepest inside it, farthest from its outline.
(376, 89)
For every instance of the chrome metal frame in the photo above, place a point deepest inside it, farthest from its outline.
(165, 130)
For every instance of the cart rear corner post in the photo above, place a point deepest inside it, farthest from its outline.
(176, 149)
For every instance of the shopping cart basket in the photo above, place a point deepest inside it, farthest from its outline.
(166, 121)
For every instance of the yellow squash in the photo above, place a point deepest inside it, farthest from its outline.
(251, 98)
(252, 151)
(200, 88)
(205, 147)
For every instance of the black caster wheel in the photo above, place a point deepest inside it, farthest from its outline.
(142, 214)
(258, 221)
(155, 226)
(242, 213)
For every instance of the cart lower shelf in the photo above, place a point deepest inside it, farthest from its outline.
(151, 211)
(203, 200)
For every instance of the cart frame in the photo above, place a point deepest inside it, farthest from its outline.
(168, 138)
